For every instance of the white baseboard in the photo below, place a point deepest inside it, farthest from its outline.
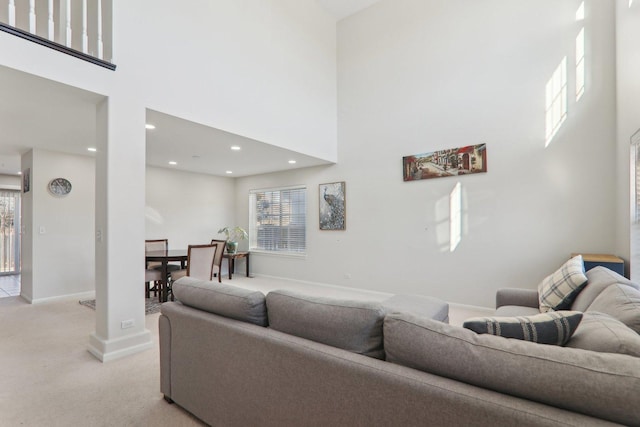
(77, 296)
(487, 310)
(108, 350)
(326, 285)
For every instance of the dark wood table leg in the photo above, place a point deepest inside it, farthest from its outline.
(246, 257)
(230, 265)
(164, 295)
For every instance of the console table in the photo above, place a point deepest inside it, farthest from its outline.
(611, 262)
(231, 261)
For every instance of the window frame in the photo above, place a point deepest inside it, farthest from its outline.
(253, 223)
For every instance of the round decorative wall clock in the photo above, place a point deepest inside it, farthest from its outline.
(60, 186)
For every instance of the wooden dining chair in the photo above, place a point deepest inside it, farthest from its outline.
(200, 262)
(153, 270)
(217, 263)
(152, 280)
(159, 245)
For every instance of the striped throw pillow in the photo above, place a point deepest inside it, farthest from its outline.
(555, 327)
(557, 291)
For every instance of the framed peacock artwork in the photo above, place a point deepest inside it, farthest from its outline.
(332, 206)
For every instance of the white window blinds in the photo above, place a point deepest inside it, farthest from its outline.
(278, 220)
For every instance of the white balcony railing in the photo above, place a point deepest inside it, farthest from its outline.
(80, 25)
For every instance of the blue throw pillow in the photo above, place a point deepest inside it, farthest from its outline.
(554, 327)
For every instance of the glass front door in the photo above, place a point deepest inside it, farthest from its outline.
(9, 232)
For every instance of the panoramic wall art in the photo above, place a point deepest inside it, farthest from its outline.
(443, 163)
(332, 206)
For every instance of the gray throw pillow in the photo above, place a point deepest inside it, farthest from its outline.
(558, 290)
(621, 302)
(355, 326)
(601, 332)
(226, 300)
(554, 327)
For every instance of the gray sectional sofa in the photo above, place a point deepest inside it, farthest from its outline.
(234, 357)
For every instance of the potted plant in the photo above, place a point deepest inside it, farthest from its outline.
(233, 234)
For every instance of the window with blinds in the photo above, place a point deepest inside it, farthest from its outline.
(278, 219)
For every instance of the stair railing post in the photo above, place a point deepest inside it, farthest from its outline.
(99, 27)
(12, 13)
(50, 23)
(85, 37)
(32, 16)
(67, 24)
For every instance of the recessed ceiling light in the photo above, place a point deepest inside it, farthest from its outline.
(172, 163)
(229, 172)
(236, 147)
(292, 162)
(149, 126)
(92, 149)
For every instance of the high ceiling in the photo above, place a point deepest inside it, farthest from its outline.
(343, 8)
(38, 113)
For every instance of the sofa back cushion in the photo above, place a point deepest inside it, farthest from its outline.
(226, 300)
(601, 332)
(355, 326)
(621, 302)
(602, 385)
(598, 279)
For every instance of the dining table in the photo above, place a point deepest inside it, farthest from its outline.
(165, 257)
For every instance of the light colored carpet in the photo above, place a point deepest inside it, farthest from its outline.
(151, 305)
(48, 378)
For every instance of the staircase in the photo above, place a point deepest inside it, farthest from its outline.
(80, 28)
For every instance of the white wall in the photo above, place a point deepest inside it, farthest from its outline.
(67, 262)
(10, 182)
(57, 244)
(265, 69)
(261, 69)
(416, 76)
(187, 208)
(628, 122)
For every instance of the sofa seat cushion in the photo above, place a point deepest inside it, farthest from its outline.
(601, 332)
(554, 327)
(355, 326)
(621, 302)
(558, 290)
(607, 384)
(226, 300)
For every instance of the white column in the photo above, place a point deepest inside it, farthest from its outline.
(85, 37)
(50, 24)
(32, 16)
(99, 26)
(120, 224)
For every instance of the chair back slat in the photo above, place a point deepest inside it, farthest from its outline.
(219, 254)
(155, 245)
(200, 261)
